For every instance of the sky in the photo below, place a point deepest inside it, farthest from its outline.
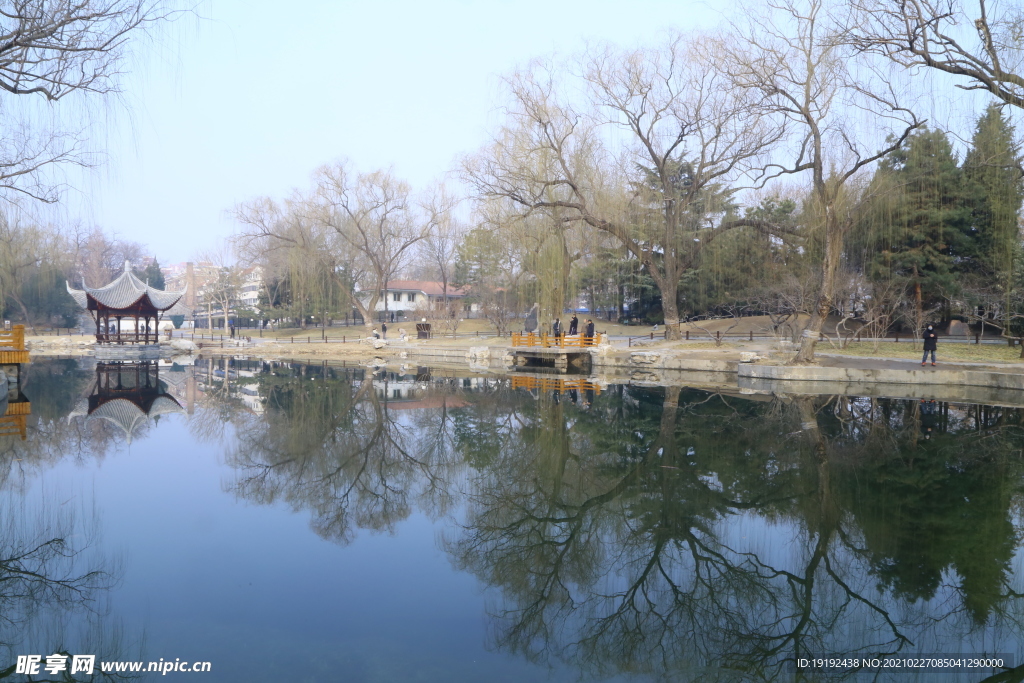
(248, 100)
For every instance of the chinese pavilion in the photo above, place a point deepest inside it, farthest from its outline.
(127, 311)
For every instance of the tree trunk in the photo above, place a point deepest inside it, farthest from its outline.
(829, 270)
(671, 311)
(367, 318)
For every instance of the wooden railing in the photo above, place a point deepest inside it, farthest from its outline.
(553, 384)
(14, 425)
(13, 339)
(562, 341)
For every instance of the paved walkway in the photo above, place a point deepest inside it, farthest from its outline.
(882, 363)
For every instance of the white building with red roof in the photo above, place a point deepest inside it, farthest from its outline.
(418, 296)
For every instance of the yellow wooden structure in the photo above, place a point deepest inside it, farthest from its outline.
(560, 384)
(14, 421)
(550, 341)
(12, 346)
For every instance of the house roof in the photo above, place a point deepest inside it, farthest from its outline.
(427, 287)
(124, 292)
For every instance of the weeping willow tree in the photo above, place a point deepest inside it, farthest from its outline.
(548, 252)
(631, 144)
(317, 286)
(836, 104)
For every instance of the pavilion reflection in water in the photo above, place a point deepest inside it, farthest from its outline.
(14, 409)
(127, 394)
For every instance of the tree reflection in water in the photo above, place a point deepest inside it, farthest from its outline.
(53, 591)
(327, 442)
(668, 531)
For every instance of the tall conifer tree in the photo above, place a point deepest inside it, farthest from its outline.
(996, 189)
(928, 239)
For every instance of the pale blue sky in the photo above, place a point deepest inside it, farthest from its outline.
(251, 100)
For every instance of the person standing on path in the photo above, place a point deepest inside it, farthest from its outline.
(589, 332)
(556, 328)
(384, 330)
(931, 340)
(574, 325)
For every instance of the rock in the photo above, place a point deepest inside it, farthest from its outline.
(644, 357)
(379, 343)
(959, 329)
(748, 357)
(479, 354)
(183, 346)
(645, 376)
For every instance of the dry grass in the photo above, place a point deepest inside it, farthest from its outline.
(980, 353)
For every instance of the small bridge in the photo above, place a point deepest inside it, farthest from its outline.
(559, 352)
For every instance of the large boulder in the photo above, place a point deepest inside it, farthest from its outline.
(183, 346)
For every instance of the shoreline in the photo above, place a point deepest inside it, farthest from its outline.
(746, 368)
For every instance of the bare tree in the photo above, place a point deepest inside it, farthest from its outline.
(655, 184)
(798, 55)
(981, 46)
(370, 215)
(440, 248)
(50, 49)
(224, 287)
(346, 239)
(100, 257)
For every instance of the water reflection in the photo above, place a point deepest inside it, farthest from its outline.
(54, 590)
(666, 531)
(625, 530)
(127, 395)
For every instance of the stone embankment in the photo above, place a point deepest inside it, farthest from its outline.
(750, 369)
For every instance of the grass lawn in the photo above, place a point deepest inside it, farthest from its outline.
(981, 353)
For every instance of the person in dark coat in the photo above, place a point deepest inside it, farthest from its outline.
(589, 330)
(574, 325)
(384, 330)
(931, 340)
(929, 417)
(556, 328)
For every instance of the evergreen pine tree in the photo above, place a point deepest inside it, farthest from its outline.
(992, 169)
(928, 239)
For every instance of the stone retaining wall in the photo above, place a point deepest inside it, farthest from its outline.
(940, 377)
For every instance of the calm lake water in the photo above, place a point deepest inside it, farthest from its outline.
(301, 523)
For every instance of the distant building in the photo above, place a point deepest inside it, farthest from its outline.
(418, 296)
(252, 284)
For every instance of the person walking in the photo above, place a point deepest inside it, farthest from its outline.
(931, 340)
(384, 330)
(589, 331)
(574, 325)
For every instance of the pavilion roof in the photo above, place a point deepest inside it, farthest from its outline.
(127, 414)
(125, 292)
